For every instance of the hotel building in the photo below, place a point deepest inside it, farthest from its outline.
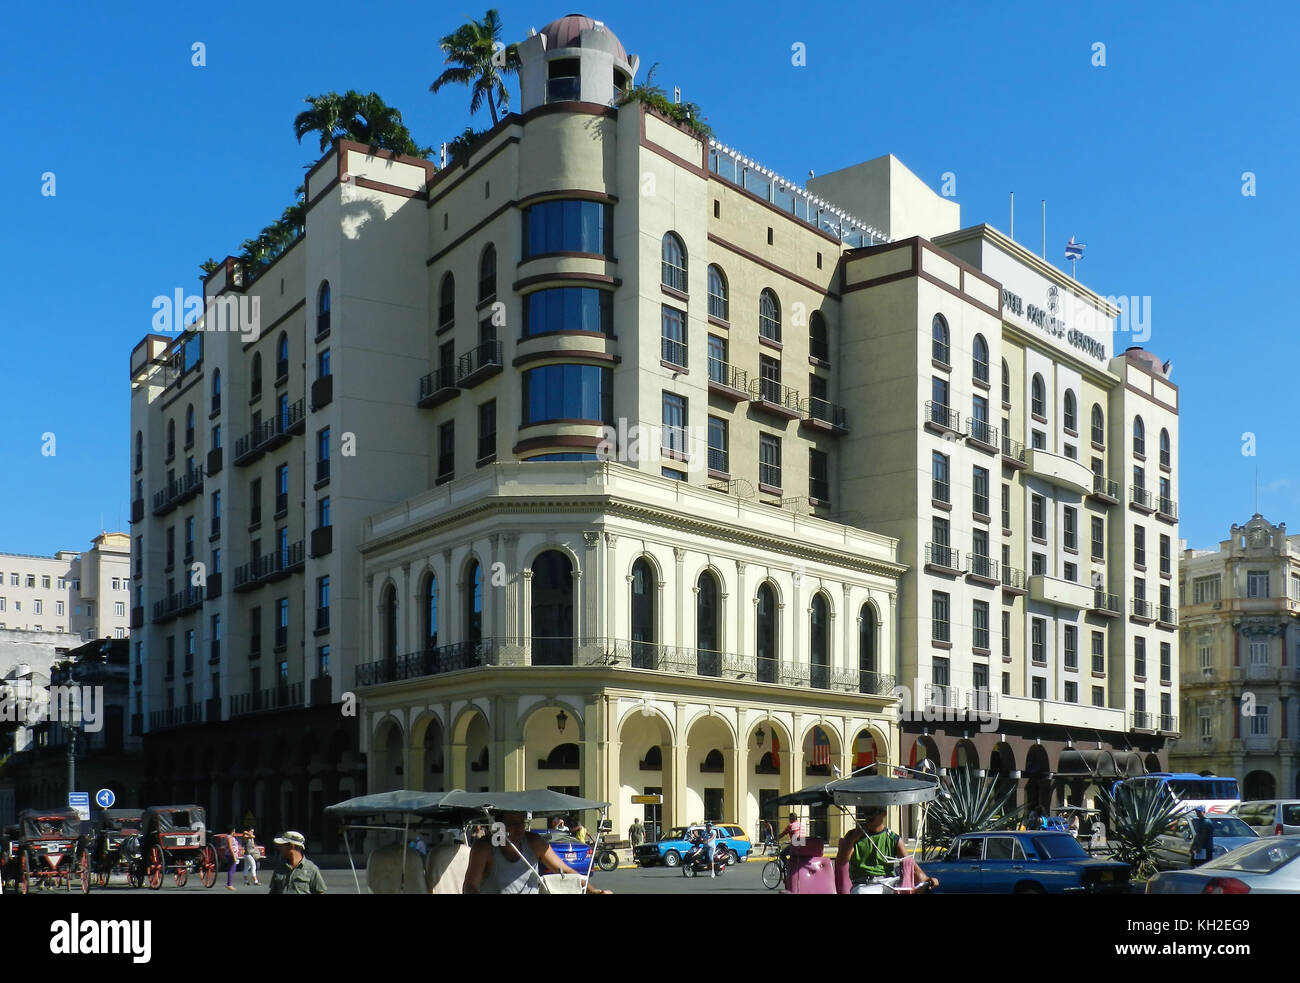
(1239, 635)
(630, 448)
(85, 594)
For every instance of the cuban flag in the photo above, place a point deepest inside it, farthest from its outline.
(1074, 250)
(821, 752)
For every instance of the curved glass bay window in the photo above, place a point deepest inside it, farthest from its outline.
(567, 227)
(568, 309)
(568, 392)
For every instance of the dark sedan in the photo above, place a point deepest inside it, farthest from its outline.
(1038, 862)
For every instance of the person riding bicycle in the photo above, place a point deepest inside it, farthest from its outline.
(794, 829)
(873, 856)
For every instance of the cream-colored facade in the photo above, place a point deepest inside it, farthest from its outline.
(85, 594)
(1239, 634)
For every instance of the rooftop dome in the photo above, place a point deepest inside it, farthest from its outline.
(566, 32)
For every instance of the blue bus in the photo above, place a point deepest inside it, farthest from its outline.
(1215, 792)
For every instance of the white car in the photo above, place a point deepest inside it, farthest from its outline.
(1271, 817)
(1266, 865)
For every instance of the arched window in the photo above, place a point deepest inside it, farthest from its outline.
(706, 613)
(939, 335)
(769, 316)
(1164, 448)
(255, 376)
(189, 425)
(765, 633)
(388, 620)
(282, 357)
(643, 615)
(429, 612)
(980, 359)
(1071, 412)
(563, 756)
(552, 609)
(216, 391)
(139, 450)
(714, 762)
(674, 262)
(447, 300)
(487, 273)
(171, 439)
(818, 647)
(1006, 383)
(867, 649)
(474, 602)
(1037, 396)
(1139, 436)
(819, 345)
(654, 759)
(717, 294)
(1098, 425)
(323, 308)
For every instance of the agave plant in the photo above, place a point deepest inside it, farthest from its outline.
(1138, 814)
(967, 804)
(209, 266)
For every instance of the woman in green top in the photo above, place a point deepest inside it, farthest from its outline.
(870, 856)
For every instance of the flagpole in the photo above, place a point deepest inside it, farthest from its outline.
(1044, 228)
(1012, 234)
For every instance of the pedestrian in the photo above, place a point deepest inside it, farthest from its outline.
(769, 838)
(636, 833)
(296, 874)
(579, 832)
(1202, 838)
(232, 852)
(250, 855)
(560, 827)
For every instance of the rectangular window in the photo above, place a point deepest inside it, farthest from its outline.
(1139, 546)
(1037, 564)
(718, 360)
(282, 489)
(1165, 567)
(322, 603)
(1205, 590)
(323, 454)
(487, 431)
(819, 475)
(769, 460)
(282, 623)
(1006, 684)
(1071, 644)
(939, 531)
(940, 671)
(119, 609)
(45, 583)
(718, 460)
(1038, 640)
(673, 336)
(980, 624)
(39, 607)
(1257, 583)
(1259, 721)
(58, 606)
(1038, 440)
(980, 677)
(1166, 663)
(1039, 688)
(939, 626)
(769, 379)
(1071, 691)
(323, 512)
(939, 477)
(1006, 634)
(1139, 657)
(1098, 696)
(1258, 652)
(1037, 517)
(980, 490)
(1069, 528)
(1098, 651)
(939, 397)
(255, 501)
(447, 450)
(1098, 538)
(1006, 506)
(674, 425)
(322, 660)
(323, 363)
(1070, 571)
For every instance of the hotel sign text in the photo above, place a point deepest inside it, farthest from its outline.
(1047, 322)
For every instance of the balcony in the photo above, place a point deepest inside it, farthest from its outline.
(215, 460)
(1013, 453)
(1063, 472)
(137, 510)
(1166, 617)
(322, 541)
(185, 716)
(269, 567)
(1105, 490)
(1107, 605)
(284, 697)
(1140, 499)
(940, 419)
(942, 559)
(982, 434)
(673, 352)
(983, 569)
(1142, 611)
(322, 392)
(137, 617)
(284, 425)
(438, 387)
(1166, 510)
(177, 492)
(1062, 593)
(824, 416)
(775, 399)
(1142, 720)
(728, 381)
(1014, 580)
(177, 604)
(481, 362)
(214, 585)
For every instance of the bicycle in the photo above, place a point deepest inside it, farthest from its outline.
(774, 872)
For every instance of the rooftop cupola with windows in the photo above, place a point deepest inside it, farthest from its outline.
(573, 59)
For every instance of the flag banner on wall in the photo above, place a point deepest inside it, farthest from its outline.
(864, 752)
(821, 754)
(776, 750)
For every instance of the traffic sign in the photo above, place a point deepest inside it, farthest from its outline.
(105, 798)
(79, 802)
(647, 800)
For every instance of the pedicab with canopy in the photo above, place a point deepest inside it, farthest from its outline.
(808, 871)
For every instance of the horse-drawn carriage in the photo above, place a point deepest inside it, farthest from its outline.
(49, 847)
(117, 845)
(175, 838)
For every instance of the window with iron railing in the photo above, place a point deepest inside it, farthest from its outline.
(718, 445)
(939, 621)
(718, 307)
(939, 488)
(769, 460)
(673, 340)
(673, 265)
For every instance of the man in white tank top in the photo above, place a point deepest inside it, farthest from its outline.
(513, 867)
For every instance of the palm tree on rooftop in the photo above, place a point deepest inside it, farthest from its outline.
(477, 57)
(365, 119)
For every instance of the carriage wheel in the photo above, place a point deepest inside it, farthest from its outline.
(24, 874)
(155, 868)
(208, 866)
(182, 873)
(85, 872)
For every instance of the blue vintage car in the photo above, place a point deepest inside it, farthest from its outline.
(676, 843)
(1035, 862)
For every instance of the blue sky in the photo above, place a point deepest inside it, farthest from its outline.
(159, 164)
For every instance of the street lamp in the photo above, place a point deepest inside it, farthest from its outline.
(561, 719)
(760, 735)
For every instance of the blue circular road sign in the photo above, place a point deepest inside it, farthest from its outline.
(105, 798)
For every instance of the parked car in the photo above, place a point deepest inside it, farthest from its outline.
(570, 849)
(1173, 849)
(1030, 862)
(1271, 817)
(1264, 865)
(669, 849)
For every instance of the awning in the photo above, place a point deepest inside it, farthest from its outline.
(1099, 763)
(398, 803)
(540, 802)
(861, 790)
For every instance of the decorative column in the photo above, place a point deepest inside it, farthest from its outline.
(512, 590)
(450, 614)
(587, 614)
(848, 656)
(526, 603)
(679, 576)
(795, 774)
(743, 610)
(794, 632)
(610, 626)
(675, 801)
(493, 611)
